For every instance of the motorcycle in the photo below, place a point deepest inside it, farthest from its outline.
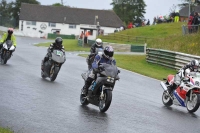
(90, 58)
(53, 65)
(100, 91)
(6, 51)
(186, 95)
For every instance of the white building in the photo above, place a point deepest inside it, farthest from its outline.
(39, 20)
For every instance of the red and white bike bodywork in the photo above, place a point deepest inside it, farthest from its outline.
(186, 95)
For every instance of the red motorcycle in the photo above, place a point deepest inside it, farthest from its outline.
(186, 95)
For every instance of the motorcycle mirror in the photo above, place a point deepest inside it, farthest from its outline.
(119, 71)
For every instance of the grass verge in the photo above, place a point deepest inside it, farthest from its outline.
(138, 64)
(166, 36)
(5, 130)
(69, 44)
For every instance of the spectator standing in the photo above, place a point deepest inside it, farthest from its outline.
(195, 22)
(154, 21)
(176, 18)
(190, 24)
(148, 22)
(86, 37)
(81, 36)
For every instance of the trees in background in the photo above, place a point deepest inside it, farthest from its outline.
(9, 12)
(129, 10)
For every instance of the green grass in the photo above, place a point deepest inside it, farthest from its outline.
(69, 44)
(163, 36)
(5, 130)
(138, 64)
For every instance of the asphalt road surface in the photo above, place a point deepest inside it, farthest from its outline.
(30, 104)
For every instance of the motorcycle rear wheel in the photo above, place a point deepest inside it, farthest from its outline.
(167, 101)
(83, 99)
(42, 75)
(193, 105)
(104, 103)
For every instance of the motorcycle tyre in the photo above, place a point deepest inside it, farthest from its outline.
(196, 106)
(108, 94)
(169, 102)
(85, 101)
(55, 73)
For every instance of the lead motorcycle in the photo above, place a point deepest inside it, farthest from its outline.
(100, 91)
(90, 58)
(53, 65)
(186, 95)
(6, 51)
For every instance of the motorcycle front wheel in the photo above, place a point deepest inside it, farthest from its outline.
(194, 104)
(54, 73)
(104, 103)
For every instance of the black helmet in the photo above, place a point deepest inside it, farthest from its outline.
(10, 31)
(58, 41)
(194, 64)
(108, 52)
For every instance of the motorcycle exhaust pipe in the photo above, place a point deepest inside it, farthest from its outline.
(163, 86)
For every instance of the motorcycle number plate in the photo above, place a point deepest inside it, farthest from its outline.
(59, 53)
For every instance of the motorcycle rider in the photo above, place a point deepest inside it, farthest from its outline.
(98, 44)
(8, 36)
(193, 66)
(56, 45)
(107, 57)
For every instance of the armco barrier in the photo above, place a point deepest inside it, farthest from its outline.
(53, 36)
(175, 60)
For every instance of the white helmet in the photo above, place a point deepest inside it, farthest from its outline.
(194, 64)
(98, 42)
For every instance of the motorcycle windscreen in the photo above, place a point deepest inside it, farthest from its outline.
(110, 70)
(58, 56)
(99, 51)
(9, 43)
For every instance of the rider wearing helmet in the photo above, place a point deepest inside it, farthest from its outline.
(8, 36)
(107, 57)
(98, 44)
(193, 66)
(56, 45)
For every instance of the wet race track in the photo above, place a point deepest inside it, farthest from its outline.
(30, 104)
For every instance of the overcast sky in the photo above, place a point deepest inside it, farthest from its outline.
(153, 8)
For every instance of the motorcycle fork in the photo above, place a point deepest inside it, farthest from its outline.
(52, 67)
(102, 95)
(191, 95)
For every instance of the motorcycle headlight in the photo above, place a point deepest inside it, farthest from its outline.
(109, 79)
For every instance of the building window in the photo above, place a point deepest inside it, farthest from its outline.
(30, 22)
(52, 24)
(72, 26)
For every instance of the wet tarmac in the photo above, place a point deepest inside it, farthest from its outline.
(30, 104)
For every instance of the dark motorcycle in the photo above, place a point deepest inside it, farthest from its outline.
(53, 65)
(100, 91)
(6, 51)
(90, 58)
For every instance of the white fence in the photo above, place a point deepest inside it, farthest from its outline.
(171, 59)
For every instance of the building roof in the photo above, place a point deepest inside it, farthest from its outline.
(184, 12)
(55, 14)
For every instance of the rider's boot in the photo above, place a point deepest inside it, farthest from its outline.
(88, 82)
